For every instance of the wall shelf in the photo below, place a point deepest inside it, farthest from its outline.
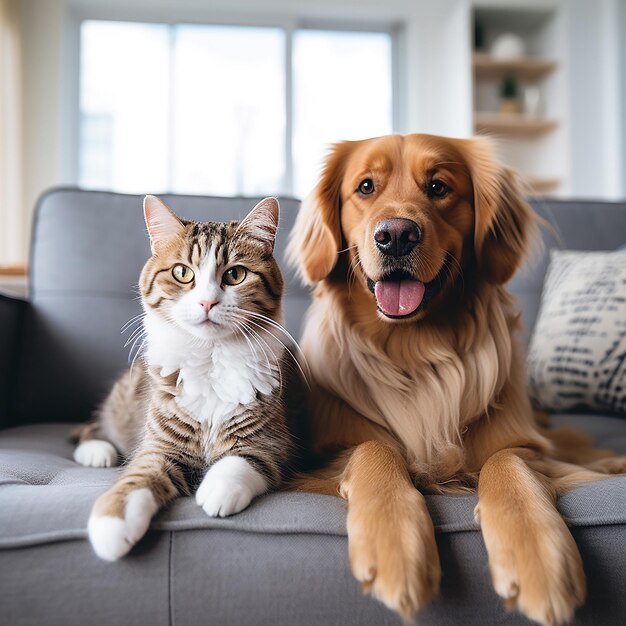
(512, 124)
(542, 186)
(533, 141)
(528, 68)
(13, 270)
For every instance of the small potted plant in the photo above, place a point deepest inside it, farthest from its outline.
(509, 102)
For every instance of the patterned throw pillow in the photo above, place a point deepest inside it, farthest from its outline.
(577, 354)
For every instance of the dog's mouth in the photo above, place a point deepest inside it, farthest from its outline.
(400, 295)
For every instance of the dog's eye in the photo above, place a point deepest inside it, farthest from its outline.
(437, 188)
(366, 187)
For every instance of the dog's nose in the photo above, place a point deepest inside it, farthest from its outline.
(397, 237)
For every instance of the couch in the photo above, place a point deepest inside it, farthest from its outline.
(284, 560)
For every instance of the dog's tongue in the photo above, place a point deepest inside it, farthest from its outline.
(398, 297)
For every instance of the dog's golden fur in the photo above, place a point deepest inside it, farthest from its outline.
(435, 402)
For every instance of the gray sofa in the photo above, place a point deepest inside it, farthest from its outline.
(282, 561)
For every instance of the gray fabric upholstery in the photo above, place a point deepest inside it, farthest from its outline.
(282, 561)
(38, 459)
(88, 249)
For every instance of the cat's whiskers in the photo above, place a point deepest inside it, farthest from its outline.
(249, 333)
(272, 352)
(237, 317)
(136, 319)
(138, 331)
(287, 334)
(142, 336)
(274, 323)
(260, 342)
(295, 360)
(242, 331)
(137, 325)
(139, 350)
(137, 289)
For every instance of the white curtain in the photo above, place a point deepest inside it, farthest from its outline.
(12, 229)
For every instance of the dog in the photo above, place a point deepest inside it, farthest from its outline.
(418, 382)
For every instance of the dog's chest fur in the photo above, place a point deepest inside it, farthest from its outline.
(421, 386)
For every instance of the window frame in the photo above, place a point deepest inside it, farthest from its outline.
(72, 53)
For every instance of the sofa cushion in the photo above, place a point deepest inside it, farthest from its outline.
(283, 561)
(45, 496)
(577, 354)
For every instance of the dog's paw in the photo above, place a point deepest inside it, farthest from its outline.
(95, 453)
(539, 573)
(229, 486)
(112, 537)
(393, 553)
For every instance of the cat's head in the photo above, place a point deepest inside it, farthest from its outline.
(210, 279)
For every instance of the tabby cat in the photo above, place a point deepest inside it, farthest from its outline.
(209, 392)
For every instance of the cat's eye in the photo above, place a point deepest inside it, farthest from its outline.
(234, 275)
(182, 273)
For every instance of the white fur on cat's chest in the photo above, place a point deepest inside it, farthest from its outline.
(215, 382)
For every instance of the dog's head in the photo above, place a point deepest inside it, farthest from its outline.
(414, 217)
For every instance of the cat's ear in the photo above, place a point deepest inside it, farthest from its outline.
(262, 222)
(163, 226)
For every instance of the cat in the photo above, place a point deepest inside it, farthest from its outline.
(211, 390)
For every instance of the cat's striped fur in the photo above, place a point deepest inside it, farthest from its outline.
(211, 390)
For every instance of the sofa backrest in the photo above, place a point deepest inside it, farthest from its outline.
(569, 225)
(88, 248)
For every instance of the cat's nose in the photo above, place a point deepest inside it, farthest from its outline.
(207, 305)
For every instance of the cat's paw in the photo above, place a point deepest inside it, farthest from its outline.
(229, 486)
(112, 537)
(95, 453)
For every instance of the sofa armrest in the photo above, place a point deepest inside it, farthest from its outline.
(12, 313)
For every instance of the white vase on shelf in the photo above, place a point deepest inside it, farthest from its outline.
(533, 101)
(508, 46)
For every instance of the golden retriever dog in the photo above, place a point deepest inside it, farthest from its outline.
(418, 383)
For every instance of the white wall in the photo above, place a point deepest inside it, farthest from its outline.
(435, 80)
(595, 99)
(621, 30)
(11, 223)
(42, 89)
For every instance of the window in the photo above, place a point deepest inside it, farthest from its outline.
(342, 90)
(229, 110)
(124, 105)
(204, 108)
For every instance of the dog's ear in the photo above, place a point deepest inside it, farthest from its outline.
(503, 223)
(315, 239)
